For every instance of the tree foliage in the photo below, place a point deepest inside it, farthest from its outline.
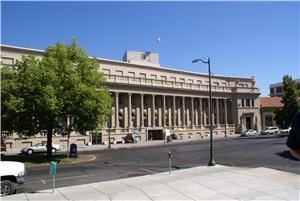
(41, 94)
(283, 116)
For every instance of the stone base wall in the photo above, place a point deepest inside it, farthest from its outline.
(62, 141)
(117, 136)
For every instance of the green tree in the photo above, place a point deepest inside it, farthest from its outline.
(42, 94)
(283, 116)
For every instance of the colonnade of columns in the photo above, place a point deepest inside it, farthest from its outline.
(132, 110)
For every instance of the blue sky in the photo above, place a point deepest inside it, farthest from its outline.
(246, 39)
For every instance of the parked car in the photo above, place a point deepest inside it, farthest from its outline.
(12, 173)
(284, 132)
(250, 132)
(270, 131)
(39, 147)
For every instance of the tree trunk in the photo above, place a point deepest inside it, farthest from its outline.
(68, 145)
(49, 143)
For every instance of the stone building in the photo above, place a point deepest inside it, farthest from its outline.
(268, 105)
(149, 98)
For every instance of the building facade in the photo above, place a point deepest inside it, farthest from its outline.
(268, 106)
(148, 98)
(276, 90)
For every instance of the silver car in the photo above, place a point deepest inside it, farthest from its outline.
(39, 147)
(250, 132)
(270, 130)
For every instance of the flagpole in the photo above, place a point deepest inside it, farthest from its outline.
(158, 45)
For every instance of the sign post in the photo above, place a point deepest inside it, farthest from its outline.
(169, 153)
(52, 172)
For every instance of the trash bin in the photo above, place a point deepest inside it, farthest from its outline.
(73, 151)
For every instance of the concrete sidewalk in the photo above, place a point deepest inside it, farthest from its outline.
(199, 183)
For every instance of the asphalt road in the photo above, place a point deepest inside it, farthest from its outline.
(122, 163)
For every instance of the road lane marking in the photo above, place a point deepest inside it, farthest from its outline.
(148, 170)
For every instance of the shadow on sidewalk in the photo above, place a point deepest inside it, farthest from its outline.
(287, 154)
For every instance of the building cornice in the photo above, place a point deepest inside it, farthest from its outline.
(169, 69)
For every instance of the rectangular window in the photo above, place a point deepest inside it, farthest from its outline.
(106, 71)
(131, 74)
(243, 105)
(268, 120)
(190, 81)
(163, 78)
(143, 75)
(279, 89)
(272, 90)
(154, 77)
(181, 80)
(216, 83)
(7, 61)
(247, 102)
(173, 79)
(253, 103)
(119, 72)
(199, 82)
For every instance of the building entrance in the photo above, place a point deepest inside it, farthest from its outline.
(156, 134)
(248, 122)
(96, 138)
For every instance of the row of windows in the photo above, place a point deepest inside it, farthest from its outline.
(162, 77)
(276, 90)
(247, 103)
(280, 89)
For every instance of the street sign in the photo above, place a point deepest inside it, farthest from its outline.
(52, 168)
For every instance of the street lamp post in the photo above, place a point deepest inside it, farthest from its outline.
(109, 125)
(211, 154)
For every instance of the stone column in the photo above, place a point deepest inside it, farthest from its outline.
(169, 117)
(179, 114)
(197, 115)
(117, 109)
(201, 112)
(205, 114)
(218, 112)
(153, 110)
(183, 111)
(193, 113)
(142, 111)
(129, 111)
(164, 111)
(174, 111)
(159, 113)
(225, 108)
